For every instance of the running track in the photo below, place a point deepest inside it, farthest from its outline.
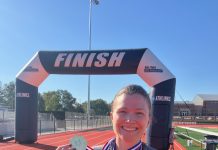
(52, 141)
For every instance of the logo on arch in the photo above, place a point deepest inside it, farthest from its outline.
(103, 59)
(153, 69)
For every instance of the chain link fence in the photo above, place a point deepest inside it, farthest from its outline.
(47, 123)
(7, 122)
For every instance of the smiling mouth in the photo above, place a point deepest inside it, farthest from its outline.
(129, 128)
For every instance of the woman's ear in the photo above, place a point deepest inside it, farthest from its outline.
(149, 121)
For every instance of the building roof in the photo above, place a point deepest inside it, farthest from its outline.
(200, 98)
(208, 97)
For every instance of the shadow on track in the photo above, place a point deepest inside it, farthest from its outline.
(40, 146)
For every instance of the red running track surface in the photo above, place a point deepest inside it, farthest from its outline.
(52, 141)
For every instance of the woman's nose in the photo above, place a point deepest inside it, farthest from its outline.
(130, 118)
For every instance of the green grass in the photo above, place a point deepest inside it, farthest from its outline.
(209, 129)
(196, 135)
(183, 140)
(193, 134)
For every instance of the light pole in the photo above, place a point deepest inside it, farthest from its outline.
(96, 2)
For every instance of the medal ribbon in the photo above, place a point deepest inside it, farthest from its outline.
(111, 145)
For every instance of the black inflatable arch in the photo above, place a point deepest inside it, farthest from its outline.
(121, 61)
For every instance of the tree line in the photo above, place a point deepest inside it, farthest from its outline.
(59, 100)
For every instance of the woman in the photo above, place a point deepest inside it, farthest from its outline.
(130, 115)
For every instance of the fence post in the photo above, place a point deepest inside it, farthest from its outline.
(40, 127)
(74, 124)
(54, 125)
(65, 125)
(3, 115)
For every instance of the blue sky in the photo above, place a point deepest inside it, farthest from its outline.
(183, 34)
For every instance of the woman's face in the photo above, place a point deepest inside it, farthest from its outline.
(130, 117)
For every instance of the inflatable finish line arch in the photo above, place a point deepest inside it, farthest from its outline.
(130, 61)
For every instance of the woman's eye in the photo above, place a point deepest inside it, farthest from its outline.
(122, 111)
(140, 113)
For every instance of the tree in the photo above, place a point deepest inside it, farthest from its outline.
(66, 100)
(60, 100)
(8, 94)
(98, 107)
(51, 99)
(78, 108)
(84, 106)
(1, 94)
(41, 103)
